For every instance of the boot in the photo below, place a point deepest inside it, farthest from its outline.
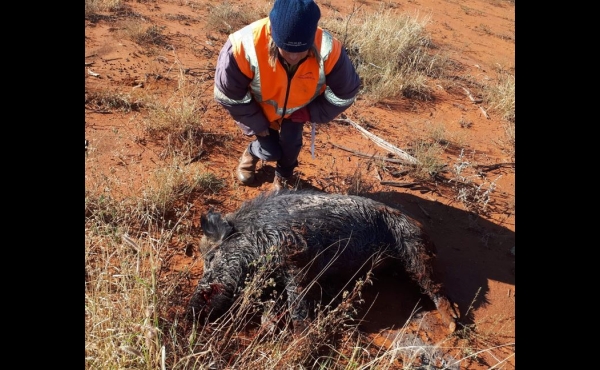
(245, 170)
(281, 183)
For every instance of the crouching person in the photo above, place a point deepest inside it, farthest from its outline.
(275, 75)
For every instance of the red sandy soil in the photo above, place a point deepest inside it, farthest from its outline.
(475, 251)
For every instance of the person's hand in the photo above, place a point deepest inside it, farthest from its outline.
(301, 115)
(263, 134)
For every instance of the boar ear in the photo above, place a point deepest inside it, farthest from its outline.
(215, 227)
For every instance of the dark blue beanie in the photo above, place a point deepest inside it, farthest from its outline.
(294, 24)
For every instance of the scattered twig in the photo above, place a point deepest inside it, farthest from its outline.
(196, 158)
(410, 185)
(88, 63)
(199, 155)
(484, 112)
(110, 60)
(91, 73)
(477, 101)
(130, 243)
(471, 97)
(382, 143)
(100, 111)
(400, 184)
(491, 167)
(399, 173)
(91, 55)
(375, 157)
(378, 175)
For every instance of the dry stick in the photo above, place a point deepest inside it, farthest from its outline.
(400, 184)
(484, 112)
(491, 167)
(471, 96)
(393, 160)
(476, 101)
(198, 156)
(382, 143)
(130, 243)
(99, 111)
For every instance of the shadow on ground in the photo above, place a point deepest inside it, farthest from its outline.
(470, 251)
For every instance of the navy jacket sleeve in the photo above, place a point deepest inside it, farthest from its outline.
(344, 82)
(232, 83)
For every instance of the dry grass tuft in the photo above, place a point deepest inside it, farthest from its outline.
(500, 97)
(95, 6)
(428, 154)
(227, 18)
(109, 101)
(471, 189)
(391, 51)
(142, 33)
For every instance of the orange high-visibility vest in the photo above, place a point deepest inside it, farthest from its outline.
(270, 87)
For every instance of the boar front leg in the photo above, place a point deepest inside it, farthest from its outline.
(297, 305)
(448, 311)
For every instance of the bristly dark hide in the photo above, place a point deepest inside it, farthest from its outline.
(311, 236)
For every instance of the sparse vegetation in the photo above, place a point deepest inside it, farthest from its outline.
(472, 193)
(135, 284)
(227, 18)
(391, 51)
(142, 33)
(107, 101)
(500, 98)
(95, 6)
(179, 115)
(428, 154)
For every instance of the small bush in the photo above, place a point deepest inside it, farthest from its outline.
(105, 100)
(391, 52)
(141, 33)
(95, 6)
(500, 97)
(227, 18)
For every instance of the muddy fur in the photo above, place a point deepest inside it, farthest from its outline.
(311, 236)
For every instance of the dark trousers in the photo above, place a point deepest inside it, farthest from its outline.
(282, 146)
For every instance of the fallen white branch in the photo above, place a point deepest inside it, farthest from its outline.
(374, 157)
(484, 112)
(382, 143)
(471, 97)
(93, 73)
(476, 101)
